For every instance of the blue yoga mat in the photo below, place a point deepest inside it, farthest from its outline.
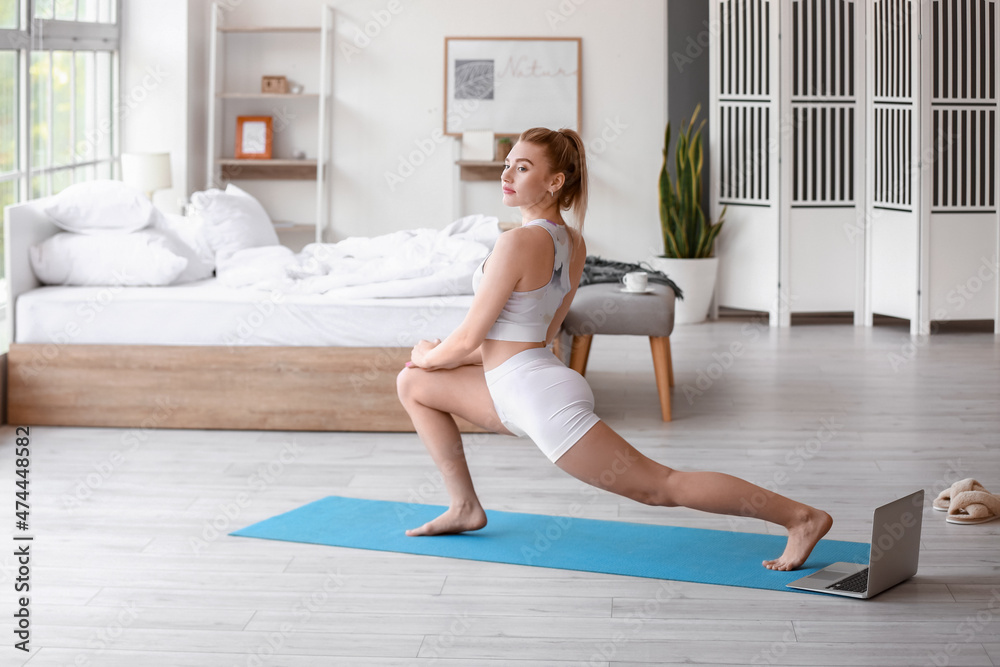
(567, 543)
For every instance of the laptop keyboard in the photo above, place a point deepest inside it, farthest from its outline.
(856, 583)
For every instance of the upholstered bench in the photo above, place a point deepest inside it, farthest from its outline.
(602, 308)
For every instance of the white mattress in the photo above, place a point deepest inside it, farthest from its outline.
(208, 313)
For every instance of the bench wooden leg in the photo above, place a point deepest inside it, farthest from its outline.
(664, 370)
(579, 353)
(670, 362)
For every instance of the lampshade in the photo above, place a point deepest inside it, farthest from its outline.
(148, 172)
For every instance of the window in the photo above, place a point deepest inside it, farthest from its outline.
(58, 83)
(9, 15)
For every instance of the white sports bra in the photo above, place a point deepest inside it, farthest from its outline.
(527, 315)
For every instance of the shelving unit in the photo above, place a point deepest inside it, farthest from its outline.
(231, 95)
(479, 170)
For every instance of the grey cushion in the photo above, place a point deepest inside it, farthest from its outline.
(603, 308)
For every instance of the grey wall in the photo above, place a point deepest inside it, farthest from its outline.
(687, 71)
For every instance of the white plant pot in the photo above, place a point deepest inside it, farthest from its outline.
(696, 278)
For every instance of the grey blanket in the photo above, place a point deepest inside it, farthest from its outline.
(598, 270)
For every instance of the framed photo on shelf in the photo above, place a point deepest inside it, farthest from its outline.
(254, 135)
(509, 84)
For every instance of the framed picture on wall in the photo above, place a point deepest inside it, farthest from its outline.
(510, 84)
(253, 137)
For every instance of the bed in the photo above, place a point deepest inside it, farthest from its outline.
(204, 355)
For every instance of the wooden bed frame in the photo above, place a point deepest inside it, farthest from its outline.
(204, 387)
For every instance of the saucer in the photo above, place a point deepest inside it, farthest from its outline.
(648, 290)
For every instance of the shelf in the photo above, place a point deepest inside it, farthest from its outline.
(263, 29)
(297, 227)
(262, 96)
(479, 163)
(289, 170)
(480, 170)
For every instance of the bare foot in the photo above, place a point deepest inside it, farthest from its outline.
(802, 537)
(454, 520)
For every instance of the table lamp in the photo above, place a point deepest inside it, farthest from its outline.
(147, 172)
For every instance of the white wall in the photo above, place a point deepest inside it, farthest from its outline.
(389, 96)
(154, 86)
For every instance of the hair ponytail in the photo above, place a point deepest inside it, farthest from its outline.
(567, 156)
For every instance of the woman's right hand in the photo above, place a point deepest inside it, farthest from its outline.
(418, 356)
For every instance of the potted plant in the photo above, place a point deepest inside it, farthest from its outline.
(504, 145)
(688, 237)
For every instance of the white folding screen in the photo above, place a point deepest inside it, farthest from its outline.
(857, 157)
(893, 212)
(893, 101)
(963, 235)
(744, 108)
(823, 101)
(963, 105)
(743, 149)
(820, 256)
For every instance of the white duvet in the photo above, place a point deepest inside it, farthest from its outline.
(410, 263)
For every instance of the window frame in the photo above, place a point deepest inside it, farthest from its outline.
(49, 35)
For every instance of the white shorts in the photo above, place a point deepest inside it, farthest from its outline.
(536, 396)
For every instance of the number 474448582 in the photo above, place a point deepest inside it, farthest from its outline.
(22, 462)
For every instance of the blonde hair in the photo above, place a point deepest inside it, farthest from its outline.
(565, 151)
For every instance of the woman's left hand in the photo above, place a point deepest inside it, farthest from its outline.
(418, 357)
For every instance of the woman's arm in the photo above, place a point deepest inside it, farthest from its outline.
(474, 358)
(507, 264)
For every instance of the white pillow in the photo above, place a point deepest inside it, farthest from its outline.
(233, 221)
(100, 207)
(188, 235)
(142, 258)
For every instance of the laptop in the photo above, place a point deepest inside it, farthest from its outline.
(892, 559)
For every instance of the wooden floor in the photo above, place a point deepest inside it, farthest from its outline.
(131, 565)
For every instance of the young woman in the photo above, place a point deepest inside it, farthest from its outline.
(495, 371)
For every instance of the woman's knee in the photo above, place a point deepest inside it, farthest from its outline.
(408, 385)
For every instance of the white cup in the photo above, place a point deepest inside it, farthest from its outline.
(636, 281)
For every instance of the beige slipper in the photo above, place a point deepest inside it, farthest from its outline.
(974, 507)
(943, 501)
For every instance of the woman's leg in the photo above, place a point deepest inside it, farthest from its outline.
(431, 398)
(604, 459)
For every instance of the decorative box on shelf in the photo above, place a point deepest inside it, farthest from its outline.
(274, 84)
